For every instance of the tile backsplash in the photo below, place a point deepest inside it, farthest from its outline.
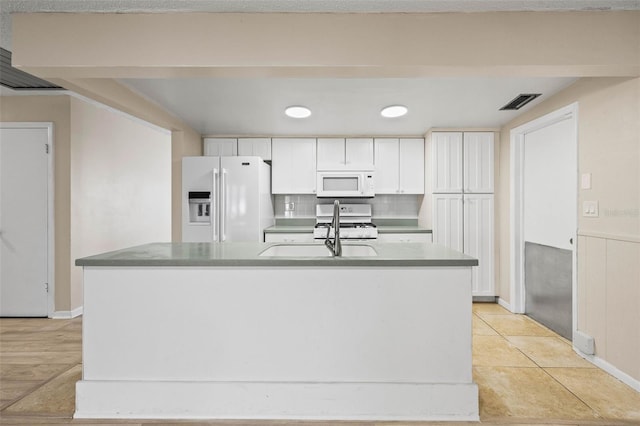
(383, 206)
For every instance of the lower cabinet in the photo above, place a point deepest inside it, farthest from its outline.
(293, 237)
(466, 223)
(422, 237)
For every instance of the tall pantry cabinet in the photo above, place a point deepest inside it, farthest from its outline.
(463, 200)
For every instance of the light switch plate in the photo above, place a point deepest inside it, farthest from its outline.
(586, 181)
(590, 208)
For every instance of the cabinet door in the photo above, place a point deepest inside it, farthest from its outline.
(478, 162)
(386, 165)
(447, 221)
(411, 166)
(359, 154)
(220, 147)
(446, 162)
(260, 147)
(331, 153)
(478, 241)
(293, 166)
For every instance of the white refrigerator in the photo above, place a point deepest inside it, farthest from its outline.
(225, 199)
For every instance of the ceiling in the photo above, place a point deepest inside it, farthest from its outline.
(225, 106)
(340, 106)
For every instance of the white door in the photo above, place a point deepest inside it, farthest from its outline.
(23, 221)
(447, 221)
(331, 154)
(550, 223)
(220, 147)
(478, 241)
(359, 153)
(240, 192)
(411, 166)
(478, 162)
(446, 159)
(387, 163)
(293, 166)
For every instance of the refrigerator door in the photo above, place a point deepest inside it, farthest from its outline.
(240, 199)
(199, 218)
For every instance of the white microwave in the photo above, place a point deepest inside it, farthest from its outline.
(345, 184)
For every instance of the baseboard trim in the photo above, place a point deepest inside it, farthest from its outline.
(67, 314)
(611, 369)
(504, 304)
(327, 401)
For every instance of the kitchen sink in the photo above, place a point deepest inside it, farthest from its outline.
(317, 250)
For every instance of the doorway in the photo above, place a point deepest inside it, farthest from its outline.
(544, 219)
(26, 228)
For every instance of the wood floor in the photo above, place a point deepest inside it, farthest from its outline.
(526, 374)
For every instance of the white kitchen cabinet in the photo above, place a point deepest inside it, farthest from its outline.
(478, 162)
(259, 147)
(220, 147)
(293, 237)
(345, 154)
(446, 162)
(405, 237)
(387, 158)
(399, 165)
(447, 221)
(411, 165)
(293, 166)
(462, 162)
(479, 241)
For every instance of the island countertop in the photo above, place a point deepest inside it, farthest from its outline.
(248, 254)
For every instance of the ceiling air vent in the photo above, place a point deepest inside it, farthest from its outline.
(520, 101)
(16, 79)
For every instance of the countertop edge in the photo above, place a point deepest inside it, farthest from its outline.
(279, 262)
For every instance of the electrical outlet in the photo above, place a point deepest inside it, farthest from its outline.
(289, 207)
(586, 181)
(590, 208)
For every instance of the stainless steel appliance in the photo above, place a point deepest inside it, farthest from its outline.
(340, 184)
(225, 199)
(355, 222)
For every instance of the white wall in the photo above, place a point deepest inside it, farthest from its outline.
(120, 184)
(609, 245)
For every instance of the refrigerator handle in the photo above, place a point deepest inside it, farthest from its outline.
(223, 209)
(214, 205)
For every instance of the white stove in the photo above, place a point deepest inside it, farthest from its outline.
(355, 222)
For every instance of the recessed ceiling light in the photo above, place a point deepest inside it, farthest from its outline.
(297, 111)
(393, 111)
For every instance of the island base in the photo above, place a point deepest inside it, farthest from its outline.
(383, 343)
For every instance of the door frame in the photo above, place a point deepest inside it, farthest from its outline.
(517, 135)
(50, 205)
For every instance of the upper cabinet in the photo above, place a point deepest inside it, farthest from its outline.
(446, 162)
(462, 162)
(345, 154)
(259, 147)
(220, 147)
(399, 165)
(478, 162)
(293, 166)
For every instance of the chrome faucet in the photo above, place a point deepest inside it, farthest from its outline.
(335, 246)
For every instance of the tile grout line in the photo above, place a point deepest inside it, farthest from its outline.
(15, 401)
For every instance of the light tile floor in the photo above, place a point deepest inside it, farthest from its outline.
(526, 375)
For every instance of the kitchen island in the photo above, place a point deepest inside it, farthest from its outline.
(217, 331)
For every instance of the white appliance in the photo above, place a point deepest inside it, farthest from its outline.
(355, 222)
(225, 199)
(339, 184)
